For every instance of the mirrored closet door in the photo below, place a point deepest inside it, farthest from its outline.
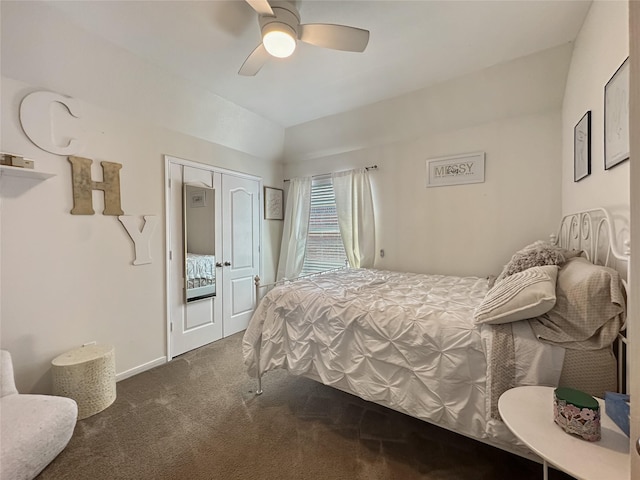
(213, 242)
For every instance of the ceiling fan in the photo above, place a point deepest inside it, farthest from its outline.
(281, 29)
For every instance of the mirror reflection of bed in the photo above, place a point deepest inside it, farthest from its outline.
(199, 238)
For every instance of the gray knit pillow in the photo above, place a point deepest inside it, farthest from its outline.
(536, 255)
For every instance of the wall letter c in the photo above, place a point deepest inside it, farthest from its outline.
(37, 106)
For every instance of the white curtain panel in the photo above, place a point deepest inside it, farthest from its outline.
(296, 226)
(354, 204)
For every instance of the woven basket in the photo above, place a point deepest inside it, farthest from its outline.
(88, 376)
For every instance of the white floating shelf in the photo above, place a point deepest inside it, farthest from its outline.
(24, 172)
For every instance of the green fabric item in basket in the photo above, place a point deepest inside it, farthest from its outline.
(577, 398)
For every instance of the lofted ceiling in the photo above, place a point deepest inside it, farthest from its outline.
(413, 44)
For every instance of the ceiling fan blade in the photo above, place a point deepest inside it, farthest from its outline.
(255, 61)
(337, 37)
(261, 6)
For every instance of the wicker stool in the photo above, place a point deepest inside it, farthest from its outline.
(87, 375)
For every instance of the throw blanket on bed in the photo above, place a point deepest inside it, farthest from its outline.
(589, 311)
(588, 314)
(516, 357)
(502, 362)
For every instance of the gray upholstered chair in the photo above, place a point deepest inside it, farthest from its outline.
(34, 429)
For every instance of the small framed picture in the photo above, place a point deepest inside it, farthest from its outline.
(198, 198)
(582, 148)
(273, 203)
(616, 117)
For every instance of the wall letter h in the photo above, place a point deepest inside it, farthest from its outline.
(83, 186)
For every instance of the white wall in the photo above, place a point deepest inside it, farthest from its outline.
(633, 332)
(531, 84)
(40, 43)
(510, 111)
(600, 48)
(67, 279)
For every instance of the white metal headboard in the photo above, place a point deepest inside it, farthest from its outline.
(604, 241)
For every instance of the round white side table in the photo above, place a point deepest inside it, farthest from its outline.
(88, 376)
(528, 412)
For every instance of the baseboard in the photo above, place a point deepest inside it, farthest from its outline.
(141, 368)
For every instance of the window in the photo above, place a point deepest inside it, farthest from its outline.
(325, 249)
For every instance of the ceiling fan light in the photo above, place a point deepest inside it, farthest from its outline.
(278, 41)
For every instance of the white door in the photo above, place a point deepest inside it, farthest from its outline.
(241, 250)
(199, 322)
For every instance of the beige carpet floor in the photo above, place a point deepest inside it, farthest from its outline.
(197, 418)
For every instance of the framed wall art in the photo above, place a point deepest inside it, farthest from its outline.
(616, 117)
(273, 203)
(455, 170)
(582, 148)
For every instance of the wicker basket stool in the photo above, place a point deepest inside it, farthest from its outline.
(87, 375)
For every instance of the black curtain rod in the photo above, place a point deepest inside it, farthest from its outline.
(372, 167)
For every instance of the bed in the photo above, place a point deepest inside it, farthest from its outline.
(444, 348)
(201, 276)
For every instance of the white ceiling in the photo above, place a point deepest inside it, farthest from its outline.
(413, 44)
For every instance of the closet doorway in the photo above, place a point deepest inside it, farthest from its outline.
(213, 252)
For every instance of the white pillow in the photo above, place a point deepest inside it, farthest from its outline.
(523, 295)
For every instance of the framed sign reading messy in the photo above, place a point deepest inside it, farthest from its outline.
(455, 170)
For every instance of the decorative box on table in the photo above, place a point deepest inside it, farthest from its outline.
(577, 413)
(616, 405)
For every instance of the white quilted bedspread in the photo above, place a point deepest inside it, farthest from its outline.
(403, 340)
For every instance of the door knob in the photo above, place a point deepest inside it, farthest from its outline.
(227, 264)
(218, 264)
